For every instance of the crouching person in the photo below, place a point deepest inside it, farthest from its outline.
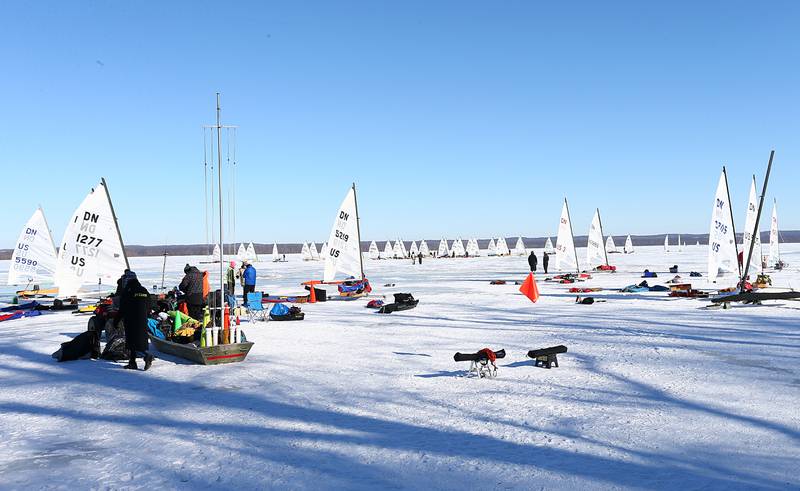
(133, 309)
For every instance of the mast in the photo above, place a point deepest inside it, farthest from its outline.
(219, 184)
(758, 219)
(574, 249)
(116, 224)
(733, 223)
(605, 251)
(358, 229)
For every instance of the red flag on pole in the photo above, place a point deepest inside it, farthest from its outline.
(529, 289)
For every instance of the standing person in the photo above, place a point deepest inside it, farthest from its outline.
(192, 288)
(230, 279)
(249, 276)
(133, 308)
(545, 261)
(419, 256)
(533, 261)
(127, 275)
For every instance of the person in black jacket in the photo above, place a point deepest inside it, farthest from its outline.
(127, 275)
(533, 261)
(192, 288)
(545, 261)
(134, 307)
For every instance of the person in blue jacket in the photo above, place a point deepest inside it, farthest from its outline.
(249, 276)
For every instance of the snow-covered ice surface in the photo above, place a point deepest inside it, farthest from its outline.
(654, 393)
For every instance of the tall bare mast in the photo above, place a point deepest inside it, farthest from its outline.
(758, 219)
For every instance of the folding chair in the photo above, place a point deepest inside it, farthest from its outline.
(255, 309)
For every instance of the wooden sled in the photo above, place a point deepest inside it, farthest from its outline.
(213, 355)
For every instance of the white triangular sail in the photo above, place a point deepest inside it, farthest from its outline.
(397, 250)
(215, 253)
(251, 253)
(595, 247)
(387, 250)
(34, 257)
(91, 251)
(666, 243)
(241, 253)
(680, 245)
(774, 239)
(344, 244)
(423, 248)
(628, 245)
(374, 252)
(443, 251)
(611, 247)
(413, 250)
(312, 249)
(721, 241)
(491, 249)
(750, 234)
(519, 248)
(502, 247)
(458, 248)
(566, 255)
(275, 256)
(403, 250)
(305, 252)
(548, 246)
(472, 248)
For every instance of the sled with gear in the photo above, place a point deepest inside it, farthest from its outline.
(497, 282)
(584, 290)
(374, 304)
(673, 269)
(649, 274)
(606, 268)
(280, 312)
(402, 301)
(685, 290)
(482, 363)
(547, 357)
(209, 355)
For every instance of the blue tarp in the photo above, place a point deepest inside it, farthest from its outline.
(152, 326)
(24, 306)
(279, 309)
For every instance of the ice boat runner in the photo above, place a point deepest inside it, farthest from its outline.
(443, 251)
(596, 254)
(34, 258)
(519, 248)
(423, 248)
(374, 252)
(92, 252)
(722, 253)
(548, 246)
(566, 253)
(628, 245)
(343, 255)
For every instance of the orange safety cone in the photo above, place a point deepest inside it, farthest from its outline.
(529, 288)
(237, 319)
(226, 326)
(313, 297)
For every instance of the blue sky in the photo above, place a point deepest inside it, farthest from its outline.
(454, 118)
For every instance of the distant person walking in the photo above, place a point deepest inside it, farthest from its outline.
(545, 261)
(419, 256)
(133, 308)
(533, 261)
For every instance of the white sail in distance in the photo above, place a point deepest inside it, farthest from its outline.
(388, 251)
(251, 253)
(472, 247)
(305, 252)
(312, 249)
(403, 250)
(610, 245)
(413, 250)
(565, 242)
(91, 251)
(443, 251)
(774, 239)
(423, 248)
(721, 240)
(34, 257)
(595, 247)
(628, 245)
(548, 246)
(215, 253)
(750, 234)
(666, 243)
(344, 243)
(502, 247)
(491, 249)
(458, 248)
(275, 255)
(397, 251)
(241, 253)
(519, 248)
(374, 252)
